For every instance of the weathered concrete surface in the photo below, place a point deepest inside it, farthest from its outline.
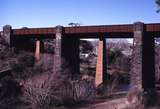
(6, 34)
(136, 60)
(142, 67)
(57, 53)
(66, 53)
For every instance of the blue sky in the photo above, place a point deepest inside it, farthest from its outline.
(48, 13)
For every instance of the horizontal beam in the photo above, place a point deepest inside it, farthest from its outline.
(153, 27)
(96, 35)
(99, 29)
(127, 28)
(34, 31)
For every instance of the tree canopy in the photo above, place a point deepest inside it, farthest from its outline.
(158, 4)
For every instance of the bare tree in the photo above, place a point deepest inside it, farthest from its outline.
(41, 92)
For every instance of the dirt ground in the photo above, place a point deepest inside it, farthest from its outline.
(120, 103)
(113, 104)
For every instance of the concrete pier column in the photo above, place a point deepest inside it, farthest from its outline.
(101, 62)
(6, 34)
(37, 51)
(136, 61)
(148, 61)
(142, 69)
(142, 73)
(66, 53)
(70, 53)
(58, 49)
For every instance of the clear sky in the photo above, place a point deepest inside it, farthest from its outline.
(48, 13)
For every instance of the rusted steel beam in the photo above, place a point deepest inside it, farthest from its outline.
(128, 28)
(99, 29)
(34, 31)
(153, 27)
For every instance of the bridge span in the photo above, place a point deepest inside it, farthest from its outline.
(67, 47)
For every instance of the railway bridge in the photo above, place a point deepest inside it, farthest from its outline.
(67, 46)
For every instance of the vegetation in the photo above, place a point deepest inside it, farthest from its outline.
(34, 84)
(31, 84)
(158, 4)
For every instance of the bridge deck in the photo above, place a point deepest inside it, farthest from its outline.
(127, 28)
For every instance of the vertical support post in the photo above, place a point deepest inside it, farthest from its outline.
(66, 48)
(148, 61)
(70, 52)
(37, 52)
(58, 49)
(7, 29)
(136, 68)
(101, 62)
(143, 71)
